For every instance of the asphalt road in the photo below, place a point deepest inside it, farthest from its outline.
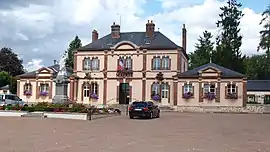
(174, 132)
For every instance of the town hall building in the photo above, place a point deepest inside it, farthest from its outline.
(122, 67)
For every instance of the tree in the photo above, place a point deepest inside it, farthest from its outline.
(255, 67)
(6, 79)
(265, 33)
(73, 45)
(10, 62)
(229, 41)
(202, 53)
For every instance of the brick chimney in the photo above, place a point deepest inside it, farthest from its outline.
(94, 35)
(115, 30)
(150, 28)
(184, 37)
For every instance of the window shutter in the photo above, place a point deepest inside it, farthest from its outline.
(152, 60)
(97, 89)
(226, 91)
(131, 63)
(98, 61)
(193, 91)
(82, 91)
(83, 64)
(169, 60)
(236, 89)
(183, 91)
(151, 90)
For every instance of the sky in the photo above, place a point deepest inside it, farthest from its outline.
(40, 31)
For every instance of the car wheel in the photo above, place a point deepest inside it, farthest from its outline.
(151, 115)
(158, 114)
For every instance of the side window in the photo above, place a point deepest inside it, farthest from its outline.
(10, 97)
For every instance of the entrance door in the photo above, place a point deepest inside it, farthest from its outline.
(124, 93)
(165, 94)
(86, 94)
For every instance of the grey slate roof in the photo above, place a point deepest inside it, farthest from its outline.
(6, 87)
(55, 68)
(158, 41)
(225, 73)
(258, 85)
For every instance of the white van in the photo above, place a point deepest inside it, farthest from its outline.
(11, 100)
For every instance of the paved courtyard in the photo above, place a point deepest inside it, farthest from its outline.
(174, 132)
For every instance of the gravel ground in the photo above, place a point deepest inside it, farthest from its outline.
(174, 132)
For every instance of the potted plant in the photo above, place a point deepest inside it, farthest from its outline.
(231, 95)
(187, 95)
(27, 93)
(43, 93)
(156, 97)
(209, 96)
(93, 96)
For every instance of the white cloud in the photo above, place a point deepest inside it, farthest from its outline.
(33, 65)
(50, 28)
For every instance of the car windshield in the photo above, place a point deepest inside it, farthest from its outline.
(139, 104)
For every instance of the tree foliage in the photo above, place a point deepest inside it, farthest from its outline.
(202, 53)
(265, 32)
(73, 45)
(10, 62)
(6, 79)
(229, 41)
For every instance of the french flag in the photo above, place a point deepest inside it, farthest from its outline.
(121, 64)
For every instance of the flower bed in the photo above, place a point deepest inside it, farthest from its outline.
(65, 107)
(187, 95)
(209, 96)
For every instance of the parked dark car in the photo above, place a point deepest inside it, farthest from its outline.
(144, 109)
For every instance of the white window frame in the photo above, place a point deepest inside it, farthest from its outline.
(86, 91)
(87, 64)
(165, 91)
(208, 88)
(128, 64)
(44, 87)
(94, 88)
(94, 64)
(231, 88)
(155, 88)
(157, 63)
(188, 88)
(27, 87)
(165, 63)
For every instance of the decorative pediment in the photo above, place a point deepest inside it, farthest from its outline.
(210, 69)
(44, 70)
(125, 45)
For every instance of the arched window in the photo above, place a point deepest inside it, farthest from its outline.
(156, 63)
(95, 64)
(87, 64)
(155, 90)
(86, 90)
(128, 64)
(165, 63)
(165, 90)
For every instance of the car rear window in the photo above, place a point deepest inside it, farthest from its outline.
(139, 104)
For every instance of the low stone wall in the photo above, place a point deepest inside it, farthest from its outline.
(251, 108)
